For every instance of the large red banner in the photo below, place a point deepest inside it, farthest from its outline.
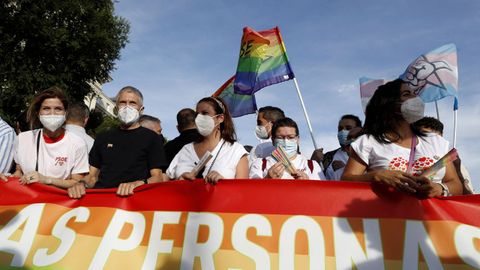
(240, 224)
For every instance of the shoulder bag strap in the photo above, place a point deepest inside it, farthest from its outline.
(213, 162)
(38, 148)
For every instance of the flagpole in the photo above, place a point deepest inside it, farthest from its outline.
(436, 108)
(455, 128)
(305, 112)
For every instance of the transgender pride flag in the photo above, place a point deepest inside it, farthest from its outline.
(434, 75)
(368, 87)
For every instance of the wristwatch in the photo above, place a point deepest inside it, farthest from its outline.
(445, 191)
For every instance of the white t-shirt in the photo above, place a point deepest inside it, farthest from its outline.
(300, 163)
(380, 156)
(225, 163)
(80, 132)
(330, 173)
(59, 159)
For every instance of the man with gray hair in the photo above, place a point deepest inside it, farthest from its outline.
(152, 123)
(77, 118)
(126, 157)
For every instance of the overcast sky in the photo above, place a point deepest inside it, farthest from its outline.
(181, 51)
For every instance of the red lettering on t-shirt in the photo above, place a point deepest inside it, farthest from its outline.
(59, 161)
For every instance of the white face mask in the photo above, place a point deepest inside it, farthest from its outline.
(413, 109)
(128, 115)
(52, 122)
(261, 132)
(289, 145)
(205, 124)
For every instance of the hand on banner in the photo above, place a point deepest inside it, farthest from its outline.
(187, 176)
(276, 171)
(3, 177)
(213, 177)
(76, 191)
(126, 189)
(426, 188)
(399, 180)
(300, 175)
(33, 177)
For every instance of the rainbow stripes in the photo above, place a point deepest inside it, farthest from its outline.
(451, 156)
(238, 105)
(263, 61)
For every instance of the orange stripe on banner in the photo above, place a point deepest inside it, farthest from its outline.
(392, 231)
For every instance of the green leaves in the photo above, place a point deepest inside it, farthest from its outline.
(55, 42)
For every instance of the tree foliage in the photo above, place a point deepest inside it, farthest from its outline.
(67, 43)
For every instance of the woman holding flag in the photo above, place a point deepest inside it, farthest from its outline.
(394, 153)
(225, 158)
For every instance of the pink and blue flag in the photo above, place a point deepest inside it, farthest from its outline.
(434, 75)
(237, 104)
(368, 87)
(263, 61)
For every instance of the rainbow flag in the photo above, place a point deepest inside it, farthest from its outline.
(238, 105)
(263, 61)
(368, 87)
(434, 75)
(451, 156)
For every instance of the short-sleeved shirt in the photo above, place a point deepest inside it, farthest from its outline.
(300, 163)
(224, 160)
(7, 139)
(125, 156)
(330, 172)
(382, 156)
(58, 159)
(80, 132)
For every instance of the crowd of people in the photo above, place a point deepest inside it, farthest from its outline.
(393, 147)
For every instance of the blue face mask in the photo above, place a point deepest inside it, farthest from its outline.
(342, 137)
(290, 146)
